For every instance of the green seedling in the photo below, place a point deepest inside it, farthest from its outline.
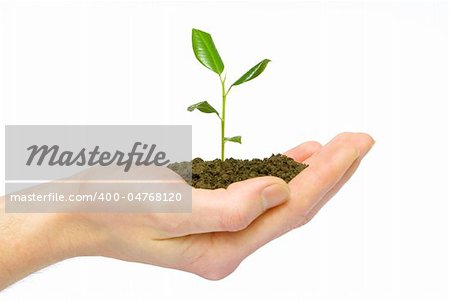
(206, 53)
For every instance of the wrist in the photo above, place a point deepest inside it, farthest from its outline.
(33, 241)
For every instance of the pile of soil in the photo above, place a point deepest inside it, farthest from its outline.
(219, 174)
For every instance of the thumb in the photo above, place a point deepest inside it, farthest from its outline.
(234, 208)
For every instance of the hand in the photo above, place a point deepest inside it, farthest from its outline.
(225, 226)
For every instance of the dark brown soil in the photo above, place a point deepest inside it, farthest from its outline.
(219, 174)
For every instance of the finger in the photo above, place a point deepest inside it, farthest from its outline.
(325, 169)
(364, 143)
(231, 209)
(303, 151)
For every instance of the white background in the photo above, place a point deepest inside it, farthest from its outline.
(382, 68)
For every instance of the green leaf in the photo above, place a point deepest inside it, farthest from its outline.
(236, 139)
(204, 107)
(205, 51)
(252, 73)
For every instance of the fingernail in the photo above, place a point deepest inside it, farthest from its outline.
(274, 195)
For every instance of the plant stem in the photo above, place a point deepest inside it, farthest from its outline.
(224, 100)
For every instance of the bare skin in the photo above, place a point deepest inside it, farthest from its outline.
(225, 226)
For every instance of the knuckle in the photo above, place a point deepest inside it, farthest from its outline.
(343, 136)
(234, 219)
(313, 145)
(300, 221)
(303, 220)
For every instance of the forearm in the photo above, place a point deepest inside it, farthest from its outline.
(30, 242)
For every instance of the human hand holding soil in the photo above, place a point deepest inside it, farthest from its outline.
(225, 226)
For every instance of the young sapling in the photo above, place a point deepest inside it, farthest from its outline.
(206, 53)
(220, 173)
